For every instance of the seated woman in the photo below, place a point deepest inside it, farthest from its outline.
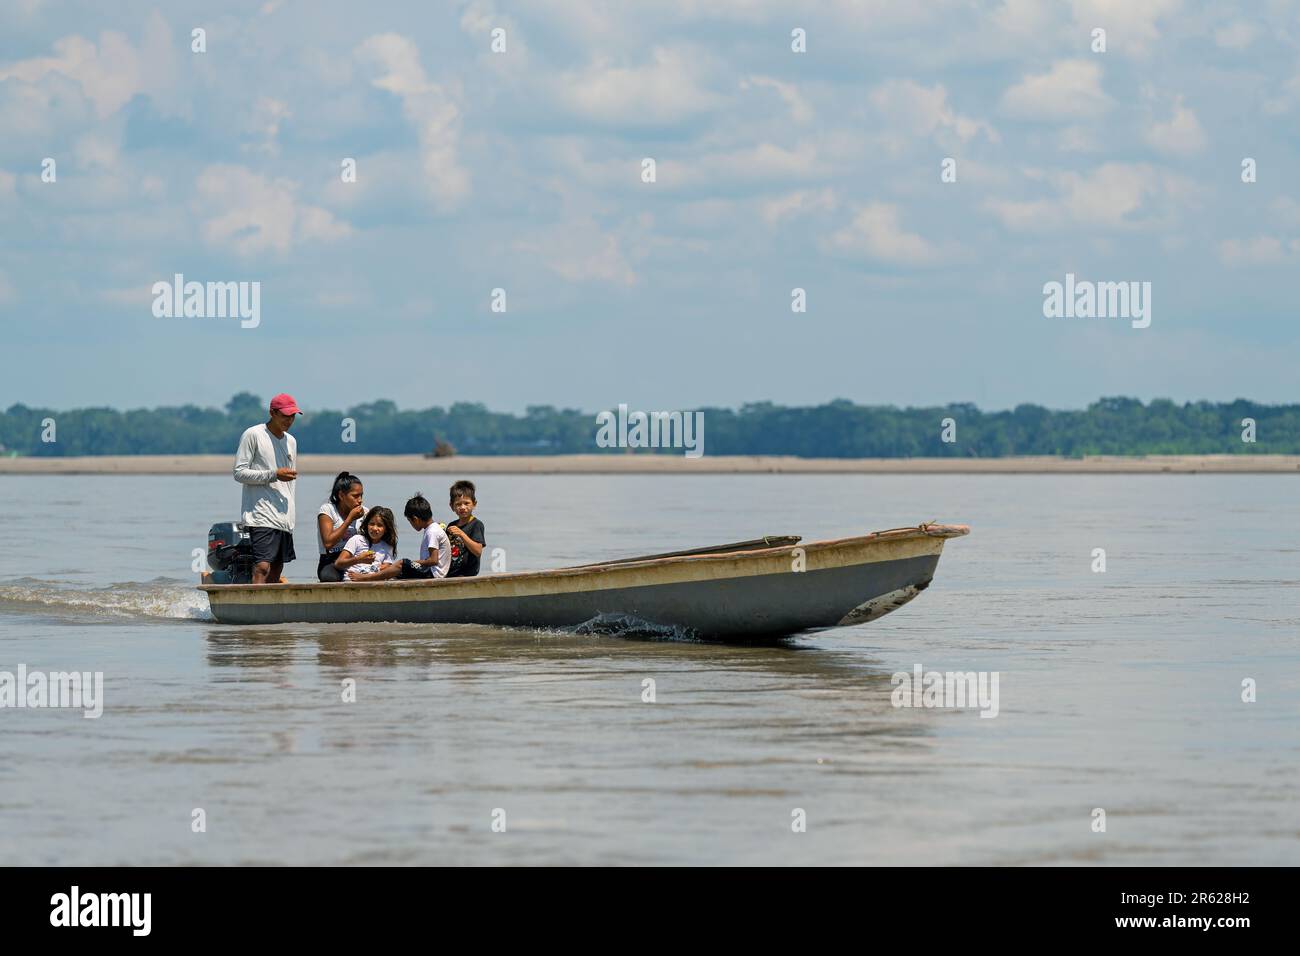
(364, 557)
(339, 518)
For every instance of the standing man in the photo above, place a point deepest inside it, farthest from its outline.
(266, 466)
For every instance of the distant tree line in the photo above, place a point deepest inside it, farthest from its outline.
(839, 429)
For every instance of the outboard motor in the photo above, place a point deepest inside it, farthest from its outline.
(230, 554)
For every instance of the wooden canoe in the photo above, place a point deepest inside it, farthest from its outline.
(763, 592)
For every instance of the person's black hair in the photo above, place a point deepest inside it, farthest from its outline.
(463, 488)
(342, 484)
(419, 507)
(390, 525)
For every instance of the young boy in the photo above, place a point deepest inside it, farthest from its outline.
(435, 549)
(466, 532)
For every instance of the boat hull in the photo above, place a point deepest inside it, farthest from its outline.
(747, 595)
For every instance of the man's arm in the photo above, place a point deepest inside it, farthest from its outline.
(245, 473)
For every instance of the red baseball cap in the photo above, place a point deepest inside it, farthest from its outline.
(285, 405)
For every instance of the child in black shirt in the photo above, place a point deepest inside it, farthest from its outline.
(466, 532)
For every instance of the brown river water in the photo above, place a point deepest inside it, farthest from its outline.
(1118, 691)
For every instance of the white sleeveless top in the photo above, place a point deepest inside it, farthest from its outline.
(336, 519)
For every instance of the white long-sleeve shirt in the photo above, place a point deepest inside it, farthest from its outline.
(267, 503)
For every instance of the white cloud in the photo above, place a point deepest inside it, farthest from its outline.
(581, 252)
(663, 92)
(1025, 19)
(153, 187)
(1259, 251)
(1079, 139)
(989, 176)
(1070, 90)
(1285, 209)
(1131, 25)
(761, 163)
(876, 233)
(1181, 134)
(8, 185)
(385, 183)
(1287, 98)
(1111, 196)
(1237, 35)
(606, 25)
(136, 295)
(252, 214)
(800, 111)
(925, 111)
(108, 74)
(1025, 215)
(339, 299)
(264, 124)
(1114, 195)
(677, 225)
(427, 107)
(481, 17)
(798, 203)
(96, 151)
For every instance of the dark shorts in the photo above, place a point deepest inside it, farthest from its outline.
(325, 570)
(271, 545)
(412, 570)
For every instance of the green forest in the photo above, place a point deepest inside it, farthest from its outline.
(838, 429)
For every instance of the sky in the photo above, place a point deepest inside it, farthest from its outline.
(504, 146)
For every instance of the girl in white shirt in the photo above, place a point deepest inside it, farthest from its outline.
(340, 518)
(363, 558)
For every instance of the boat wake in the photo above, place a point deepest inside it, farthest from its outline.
(625, 625)
(163, 598)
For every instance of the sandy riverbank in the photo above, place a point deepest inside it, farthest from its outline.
(662, 464)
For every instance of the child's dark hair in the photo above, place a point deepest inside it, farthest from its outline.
(419, 507)
(342, 485)
(465, 489)
(390, 525)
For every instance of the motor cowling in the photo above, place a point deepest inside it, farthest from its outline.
(230, 554)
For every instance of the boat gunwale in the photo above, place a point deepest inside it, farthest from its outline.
(927, 530)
